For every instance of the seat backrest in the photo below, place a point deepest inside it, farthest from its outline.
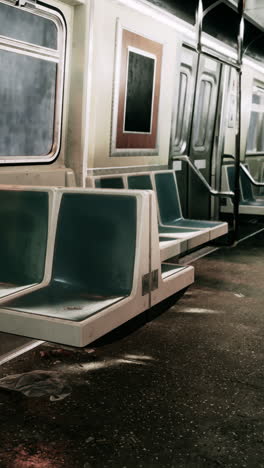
(139, 182)
(96, 243)
(246, 185)
(231, 177)
(168, 197)
(109, 182)
(24, 219)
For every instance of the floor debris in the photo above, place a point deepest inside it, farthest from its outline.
(38, 384)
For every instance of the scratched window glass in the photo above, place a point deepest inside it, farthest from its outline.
(21, 25)
(27, 100)
(139, 95)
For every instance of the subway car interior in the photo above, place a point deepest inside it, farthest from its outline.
(132, 232)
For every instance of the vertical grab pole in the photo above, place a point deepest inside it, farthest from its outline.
(199, 25)
(240, 37)
(199, 29)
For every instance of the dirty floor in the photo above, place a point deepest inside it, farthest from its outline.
(185, 390)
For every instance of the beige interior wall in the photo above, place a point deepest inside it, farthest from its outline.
(106, 15)
(78, 120)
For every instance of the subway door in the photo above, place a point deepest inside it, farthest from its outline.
(202, 136)
(181, 121)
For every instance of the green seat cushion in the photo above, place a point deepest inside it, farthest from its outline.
(61, 300)
(172, 230)
(252, 203)
(195, 223)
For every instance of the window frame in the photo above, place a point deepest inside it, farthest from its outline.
(43, 53)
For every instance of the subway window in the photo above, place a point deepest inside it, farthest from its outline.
(32, 48)
(255, 136)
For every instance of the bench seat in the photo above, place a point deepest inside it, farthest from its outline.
(189, 237)
(169, 247)
(249, 204)
(214, 229)
(169, 269)
(170, 278)
(191, 232)
(64, 301)
(170, 213)
(105, 269)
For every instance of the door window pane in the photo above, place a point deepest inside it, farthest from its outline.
(181, 109)
(202, 114)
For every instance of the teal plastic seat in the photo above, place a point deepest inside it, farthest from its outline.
(246, 186)
(247, 197)
(170, 207)
(23, 238)
(109, 182)
(143, 182)
(139, 182)
(94, 256)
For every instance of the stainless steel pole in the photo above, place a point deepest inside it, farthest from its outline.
(240, 40)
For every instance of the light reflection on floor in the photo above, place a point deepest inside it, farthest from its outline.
(197, 310)
(140, 360)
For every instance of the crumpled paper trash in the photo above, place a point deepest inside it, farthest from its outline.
(38, 383)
